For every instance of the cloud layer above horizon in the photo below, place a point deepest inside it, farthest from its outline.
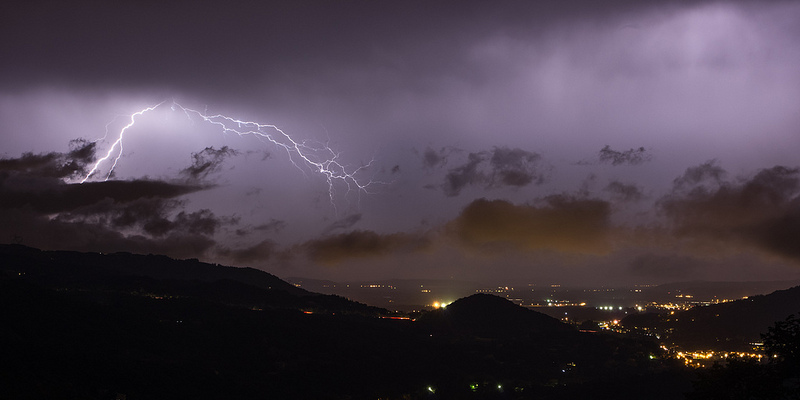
(569, 143)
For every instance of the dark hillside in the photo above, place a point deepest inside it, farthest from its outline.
(88, 326)
(75, 266)
(160, 277)
(737, 323)
(492, 316)
(731, 326)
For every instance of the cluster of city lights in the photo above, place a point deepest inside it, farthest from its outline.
(703, 358)
(439, 304)
(474, 387)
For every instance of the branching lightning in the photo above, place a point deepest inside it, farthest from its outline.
(117, 144)
(318, 157)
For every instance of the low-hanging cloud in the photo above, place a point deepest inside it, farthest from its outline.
(38, 207)
(255, 254)
(360, 244)
(664, 266)
(39, 182)
(343, 223)
(274, 225)
(561, 223)
(762, 211)
(53, 164)
(702, 177)
(53, 195)
(624, 192)
(33, 229)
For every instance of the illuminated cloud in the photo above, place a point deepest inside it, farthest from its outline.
(207, 162)
(52, 165)
(561, 223)
(499, 167)
(40, 209)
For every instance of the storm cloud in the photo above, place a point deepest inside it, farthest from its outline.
(671, 267)
(344, 223)
(40, 208)
(53, 164)
(466, 119)
(467, 174)
(256, 254)
(360, 244)
(499, 167)
(207, 162)
(624, 192)
(761, 211)
(607, 155)
(560, 223)
(515, 167)
(435, 159)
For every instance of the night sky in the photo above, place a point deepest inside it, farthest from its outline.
(572, 142)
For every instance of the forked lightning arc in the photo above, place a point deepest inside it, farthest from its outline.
(317, 156)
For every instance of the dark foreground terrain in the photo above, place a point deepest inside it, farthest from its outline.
(91, 326)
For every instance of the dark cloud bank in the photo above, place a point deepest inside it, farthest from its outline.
(39, 208)
(559, 223)
(705, 219)
(761, 211)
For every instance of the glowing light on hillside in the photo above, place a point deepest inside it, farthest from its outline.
(440, 304)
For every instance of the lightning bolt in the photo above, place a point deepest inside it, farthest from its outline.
(117, 144)
(318, 157)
